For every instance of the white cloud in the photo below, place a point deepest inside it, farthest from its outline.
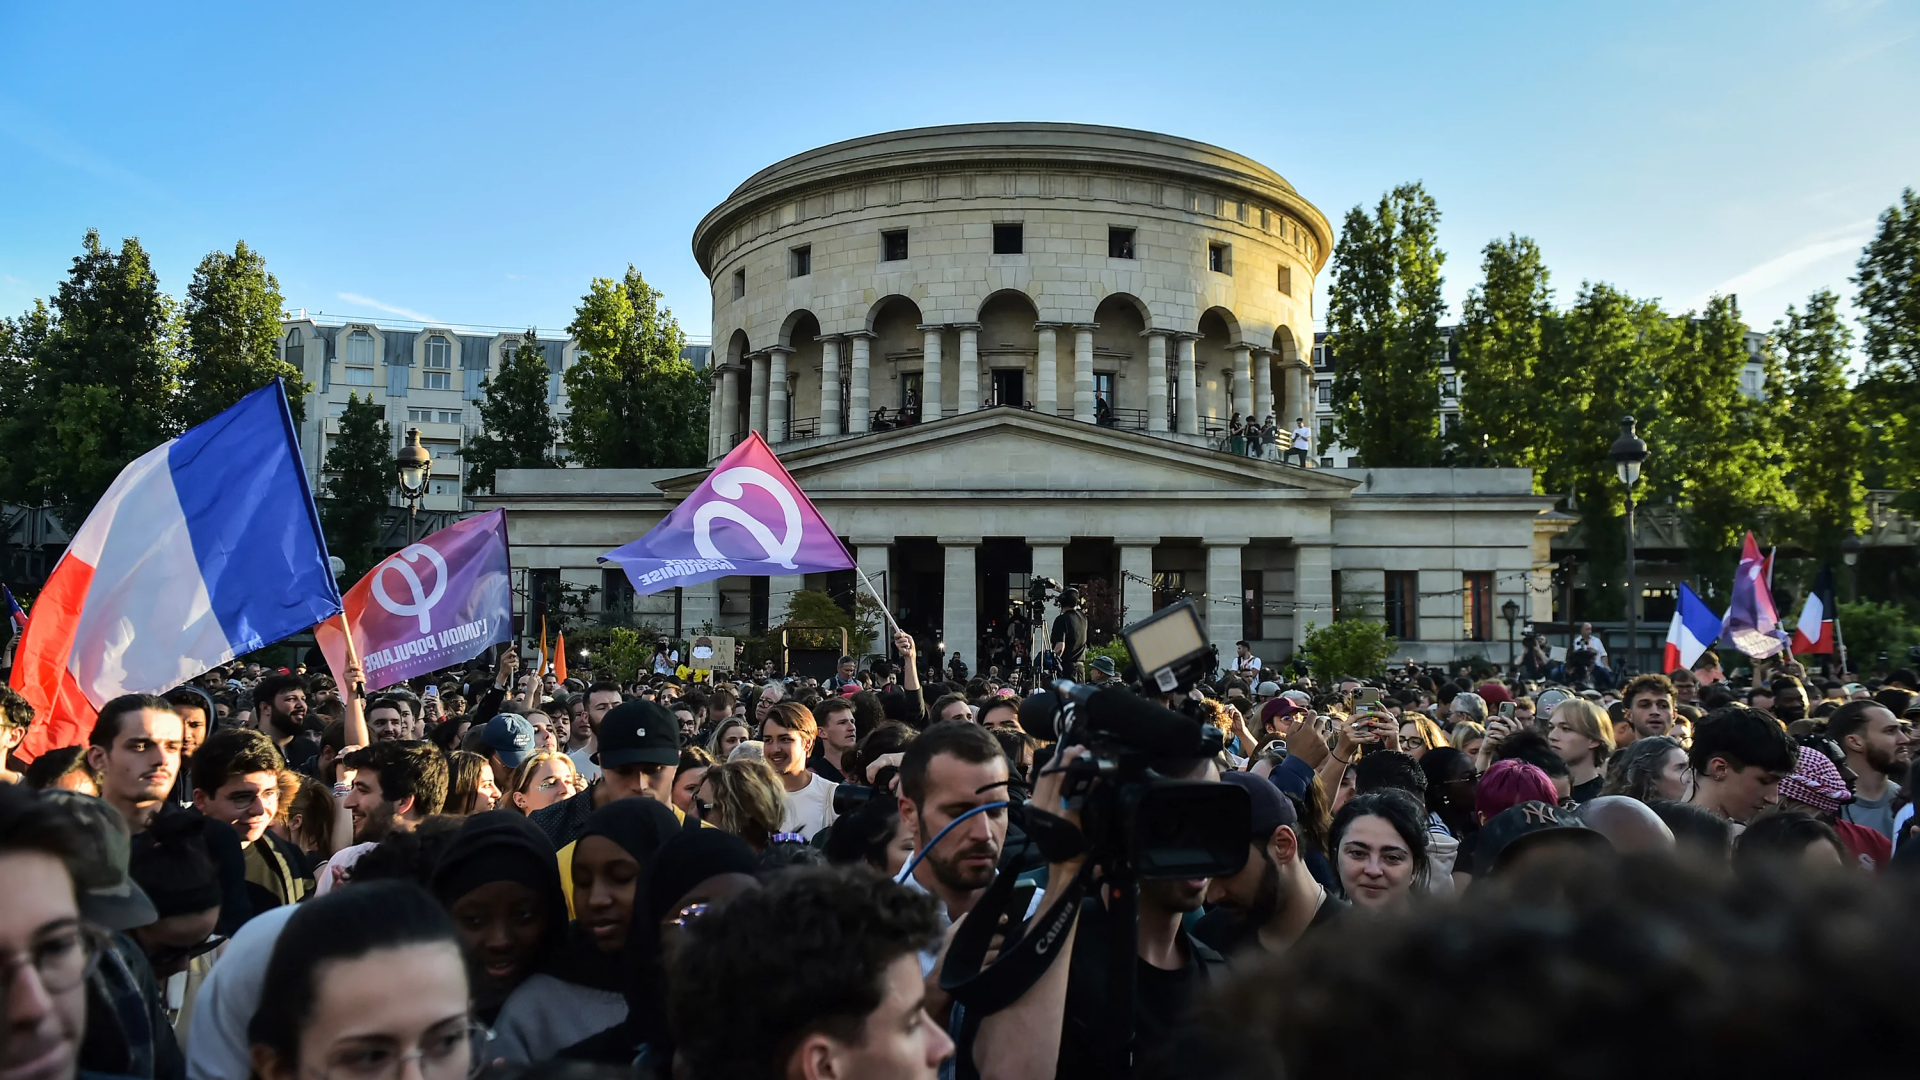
(1781, 268)
(405, 313)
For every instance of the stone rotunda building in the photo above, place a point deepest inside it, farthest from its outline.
(995, 351)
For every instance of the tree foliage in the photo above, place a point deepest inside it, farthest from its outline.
(1347, 648)
(518, 428)
(1889, 300)
(232, 336)
(1498, 359)
(1383, 321)
(360, 464)
(634, 402)
(1827, 436)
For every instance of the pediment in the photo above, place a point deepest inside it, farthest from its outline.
(1014, 451)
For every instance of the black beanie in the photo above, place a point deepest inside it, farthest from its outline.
(170, 862)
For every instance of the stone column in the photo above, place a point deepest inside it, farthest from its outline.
(1083, 373)
(830, 386)
(777, 393)
(1312, 588)
(1156, 381)
(700, 605)
(780, 590)
(1186, 408)
(1224, 599)
(1136, 575)
(1242, 387)
(873, 554)
(930, 372)
(1306, 405)
(1046, 397)
(757, 401)
(969, 368)
(859, 402)
(729, 410)
(1049, 558)
(959, 623)
(1263, 404)
(714, 425)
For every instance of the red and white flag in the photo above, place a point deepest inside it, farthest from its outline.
(1814, 632)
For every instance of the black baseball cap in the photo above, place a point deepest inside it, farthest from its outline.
(1269, 806)
(1518, 828)
(638, 733)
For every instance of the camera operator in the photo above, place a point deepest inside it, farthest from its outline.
(1069, 635)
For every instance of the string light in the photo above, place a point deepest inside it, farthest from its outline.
(1268, 607)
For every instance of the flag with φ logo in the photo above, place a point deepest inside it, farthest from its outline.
(429, 605)
(748, 518)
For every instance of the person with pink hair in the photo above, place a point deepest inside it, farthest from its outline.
(1505, 785)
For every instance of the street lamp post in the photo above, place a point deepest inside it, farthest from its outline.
(415, 466)
(1510, 611)
(1850, 554)
(1629, 452)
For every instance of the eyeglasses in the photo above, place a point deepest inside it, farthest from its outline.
(703, 807)
(453, 1051)
(61, 960)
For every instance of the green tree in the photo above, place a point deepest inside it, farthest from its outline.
(1383, 320)
(1889, 300)
(1870, 629)
(232, 322)
(1724, 468)
(1600, 362)
(1828, 438)
(95, 384)
(1348, 648)
(634, 402)
(361, 466)
(1505, 420)
(518, 426)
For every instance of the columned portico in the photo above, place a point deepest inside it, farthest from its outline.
(1312, 587)
(777, 393)
(930, 335)
(1083, 407)
(959, 623)
(1263, 405)
(1224, 603)
(757, 394)
(729, 406)
(1156, 381)
(969, 388)
(1242, 386)
(859, 401)
(830, 385)
(1047, 369)
(1186, 412)
(715, 413)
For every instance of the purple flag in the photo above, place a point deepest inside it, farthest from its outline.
(748, 518)
(1752, 624)
(441, 601)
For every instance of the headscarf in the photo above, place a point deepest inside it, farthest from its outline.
(640, 826)
(500, 845)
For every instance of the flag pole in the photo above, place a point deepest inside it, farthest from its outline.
(356, 717)
(878, 599)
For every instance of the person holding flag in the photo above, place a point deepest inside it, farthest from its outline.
(1816, 632)
(1692, 632)
(1752, 622)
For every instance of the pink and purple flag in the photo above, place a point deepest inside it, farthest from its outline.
(748, 518)
(1753, 624)
(429, 605)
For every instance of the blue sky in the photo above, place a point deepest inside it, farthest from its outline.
(479, 163)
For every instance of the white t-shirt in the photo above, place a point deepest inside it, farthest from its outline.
(1593, 643)
(811, 808)
(583, 761)
(1303, 438)
(1250, 666)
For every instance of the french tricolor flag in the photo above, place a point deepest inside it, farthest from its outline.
(1813, 634)
(206, 547)
(1693, 631)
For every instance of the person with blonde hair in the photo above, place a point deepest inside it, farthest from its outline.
(730, 733)
(744, 798)
(543, 779)
(1419, 734)
(1581, 733)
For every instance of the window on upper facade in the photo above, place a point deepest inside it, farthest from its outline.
(1286, 281)
(1450, 386)
(296, 349)
(1476, 597)
(359, 359)
(893, 245)
(1009, 239)
(437, 364)
(1324, 394)
(800, 261)
(1402, 603)
(1220, 258)
(739, 284)
(1119, 243)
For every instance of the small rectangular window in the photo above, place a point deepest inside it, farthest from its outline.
(1324, 394)
(893, 245)
(1402, 603)
(739, 284)
(1119, 243)
(800, 261)
(1286, 281)
(436, 380)
(1009, 239)
(1476, 596)
(1220, 258)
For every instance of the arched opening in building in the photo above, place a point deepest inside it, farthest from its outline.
(1120, 363)
(801, 334)
(1009, 347)
(897, 362)
(1213, 370)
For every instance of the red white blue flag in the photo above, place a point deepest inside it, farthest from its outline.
(14, 615)
(748, 518)
(1693, 631)
(1814, 632)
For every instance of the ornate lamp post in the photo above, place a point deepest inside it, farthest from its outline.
(1510, 611)
(415, 466)
(1629, 452)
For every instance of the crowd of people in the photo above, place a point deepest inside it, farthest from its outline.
(271, 874)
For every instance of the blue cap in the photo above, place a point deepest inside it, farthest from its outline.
(509, 735)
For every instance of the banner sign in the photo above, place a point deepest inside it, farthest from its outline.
(430, 605)
(748, 518)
